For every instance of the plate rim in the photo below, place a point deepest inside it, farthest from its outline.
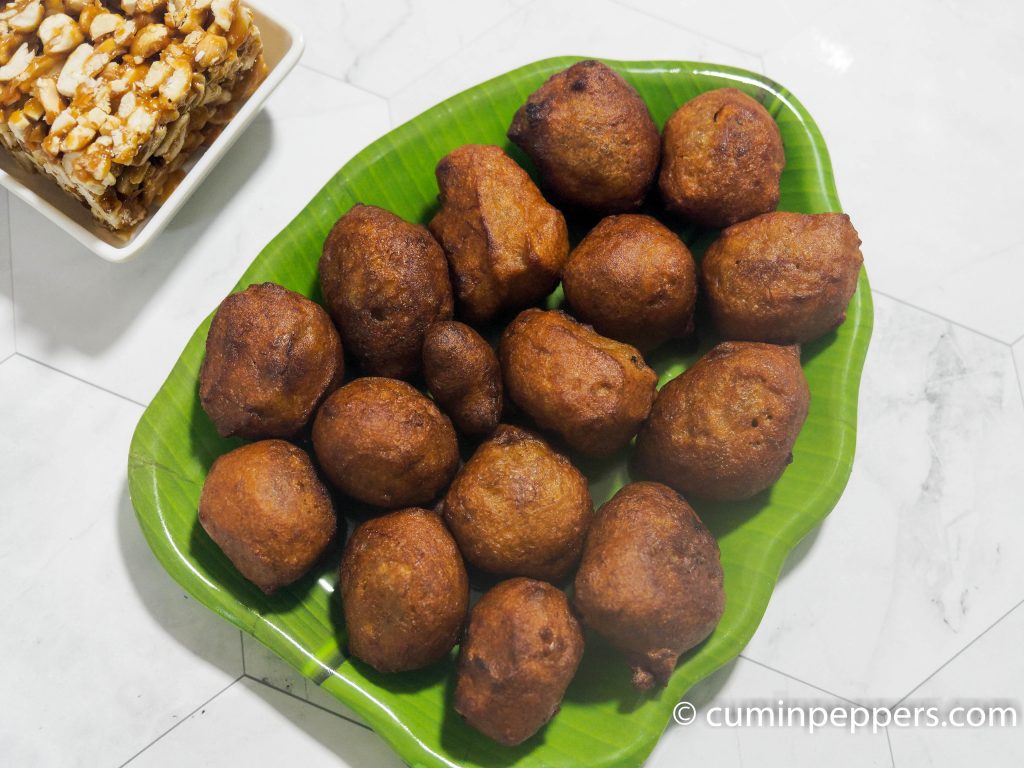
(384, 722)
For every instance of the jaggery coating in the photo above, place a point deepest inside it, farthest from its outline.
(383, 443)
(404, 591)
(521, 651)
(505, 243)
(784, 278)
(634, 280)
(725, 428)
(591, 137)
(593, 391)
(272, 356)
(384, 282)
(267, 510)
(519, 508)
(650, 581)
(721, 159)
(463, 375)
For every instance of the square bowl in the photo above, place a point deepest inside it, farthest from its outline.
(282, 48)
(604, 722)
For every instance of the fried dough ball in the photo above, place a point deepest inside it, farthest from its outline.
(384, 281)
(591, 390)
(505, 243)
(721, 160)
(265, 507)
(521, 651)
(383, 443)
(650, 580)
(591, 137)
(404, 591)
(519, 508)
(725, 429)
(272, 356)
(782, 277)
(463, 375)
(633, 280)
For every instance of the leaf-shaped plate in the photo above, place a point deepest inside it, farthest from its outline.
(603, 721)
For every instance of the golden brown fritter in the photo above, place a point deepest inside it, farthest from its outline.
(404, 591)
(521, 651)
(505, 243)
(782, 277)
(591, 137)
(633, 280)
(725, 428)
(384, 281)
(383, 443)
(650, 580)
(519, 508)
(265, 507)
(721, 159)
(463, 375)
(271, 358)
(593, 391)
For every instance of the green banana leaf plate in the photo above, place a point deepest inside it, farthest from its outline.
(603, 721)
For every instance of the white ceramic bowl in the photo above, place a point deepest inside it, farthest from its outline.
(282, 47)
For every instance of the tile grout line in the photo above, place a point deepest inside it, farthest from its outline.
(957, 655)
(182, 720)
(802, 682)
(424, 75)
(308, 702)
(241, 645)
(888, 740)
(13, 354)
(80, 379)
(1019, 372)
(697, 33)
(936, 315)
(387, 98)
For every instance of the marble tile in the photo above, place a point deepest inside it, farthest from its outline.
(122, 326)
(753, 27)
(920, 138)
(384, 45)
(746, 684)
(106, 652)
(926, 548)
(988, 674)
(264, 665)
(6, 283)
(563, 27)
(1018, 357)
(251, 725)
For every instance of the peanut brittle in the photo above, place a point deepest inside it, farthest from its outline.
(110, 98)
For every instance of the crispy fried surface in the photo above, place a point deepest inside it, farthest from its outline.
(521, 650)
(725, 428)
(782, 277)
(650, 580)
(383, 443)
(404, 591)
(505, 243)
(271, 357)
(591, 390)
(519, 508)
(591, 137)
(634, 280)
(463, 375)
(721, 159)
(265, 507)
(384, 281)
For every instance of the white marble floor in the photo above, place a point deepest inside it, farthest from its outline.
(910, 592)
